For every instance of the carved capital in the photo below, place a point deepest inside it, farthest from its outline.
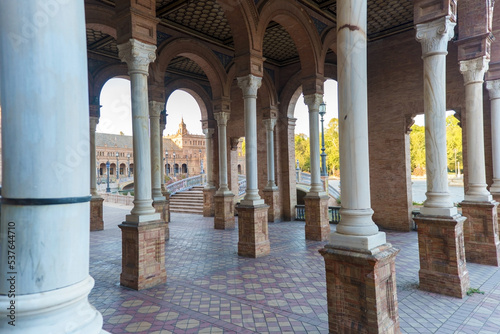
(269, 124)
(249, 84)
(209, 132)
(435, 35)
(137, 55)
(473, 70)
(93, 121)
(493, 88)
(155, 108)
(221, 118)
(234, 141)
(313, 101)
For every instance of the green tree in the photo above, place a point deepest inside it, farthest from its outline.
(453, 142)
(332, 145)
(302, 151)
(417, 147)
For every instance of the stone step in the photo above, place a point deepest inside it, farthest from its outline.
(189, 201)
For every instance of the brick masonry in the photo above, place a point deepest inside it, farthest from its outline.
(208, 202)
(361, 290)
(253, 231)
(224, 212)
(162, 207)
(143, 255)
(442, 255)
(271, 198)
(481, 232)
(317, 224)
(96, 221)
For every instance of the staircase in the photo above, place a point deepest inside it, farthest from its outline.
(189, 201)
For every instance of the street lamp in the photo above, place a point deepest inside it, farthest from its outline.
(107, 180)
(128, 163)
(187, 167)
(175, 170)
(166, 163)
(322, 112)
(117, 168)
(201, 164)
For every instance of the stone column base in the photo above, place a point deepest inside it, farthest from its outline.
(271, 198)
(361, 289)
(162, 207)
(443, 267)
(208, 202)
(481, 232)
(143, 255)
(317, 224)
(224, 212)
(252, 231)
(96, 221)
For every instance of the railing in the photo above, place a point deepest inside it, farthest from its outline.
(305, 178)
(242, 186)
(333, 213)
(125, 179)
(185, 184)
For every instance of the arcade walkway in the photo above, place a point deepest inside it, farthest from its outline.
(211, 290)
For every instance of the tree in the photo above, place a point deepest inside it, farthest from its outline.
(302, 151)
(453, 142)
(417, 148)
(332, 145)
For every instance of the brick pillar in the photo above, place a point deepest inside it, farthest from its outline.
(361, 290)
(252, 230)
(224, 212)
(162, 207)
(209, 202)
(317, 224)
(96, 220)
(443, 267)
(481, 232)
(271, 198)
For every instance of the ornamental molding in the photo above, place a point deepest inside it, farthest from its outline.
(313, 101)
(473, 69)
(435, 35)
(493, 87)
(249, 84)
(137, 55)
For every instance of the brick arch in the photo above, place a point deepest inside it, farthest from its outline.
(196, 91)
(199, 53)
(100, 18)
(99, 79)
(329, 43)
(302, 31)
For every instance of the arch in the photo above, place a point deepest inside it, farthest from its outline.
(101, 18)
(118, 70)
(199, 53)
(196, 91)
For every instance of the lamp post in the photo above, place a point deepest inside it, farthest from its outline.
(166, 163)
(201, 164)
(107, 179)
(128, 163)
(187, 167)
(117, 168)
(322, 112)
(175, 170)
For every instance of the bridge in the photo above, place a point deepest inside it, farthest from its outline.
(303, 183)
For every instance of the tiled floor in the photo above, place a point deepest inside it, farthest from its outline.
(210, 289)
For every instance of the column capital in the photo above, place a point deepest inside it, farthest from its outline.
(493, 87)
(208, 132)
(221, 118)
(95, 110)
(292, 122)
(234, 141)
(313, 101)
(269, 124)
(155, 108)
(249, 84)
(93, 121)
(137, 55)
(435, 35)
(473, 69)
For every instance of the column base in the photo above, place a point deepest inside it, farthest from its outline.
(481, 232)
(443, 267)
(224, 212)
(317, 224)
(143, 255)
(162, 207)
(208, 202)
(271, 198)
(252, 231)
(96, 221)
(361, 289)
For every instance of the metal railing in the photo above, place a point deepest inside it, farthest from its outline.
(333, 213)
(186, 184)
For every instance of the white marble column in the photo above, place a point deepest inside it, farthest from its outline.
(93, 168)
(493, 87)
(222, 118)
(473, 71)
(313, 101)
(210, 157)
(138, 55)
(356, 228)
(44, 229)
(163, 124)
(269, 125)
(434, 37)
(249, 85)
(155, 109)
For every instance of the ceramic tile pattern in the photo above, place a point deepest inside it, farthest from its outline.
(210, 289)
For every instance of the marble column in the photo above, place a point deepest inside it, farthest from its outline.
(223, 198)
(481, 229)
(143, 228)
(271, 192)
(44, 229)
(493, 87)
(316, 200)
(360, 265)
(164, 191)
(209, 190)
(440, 227)
(96, 210)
